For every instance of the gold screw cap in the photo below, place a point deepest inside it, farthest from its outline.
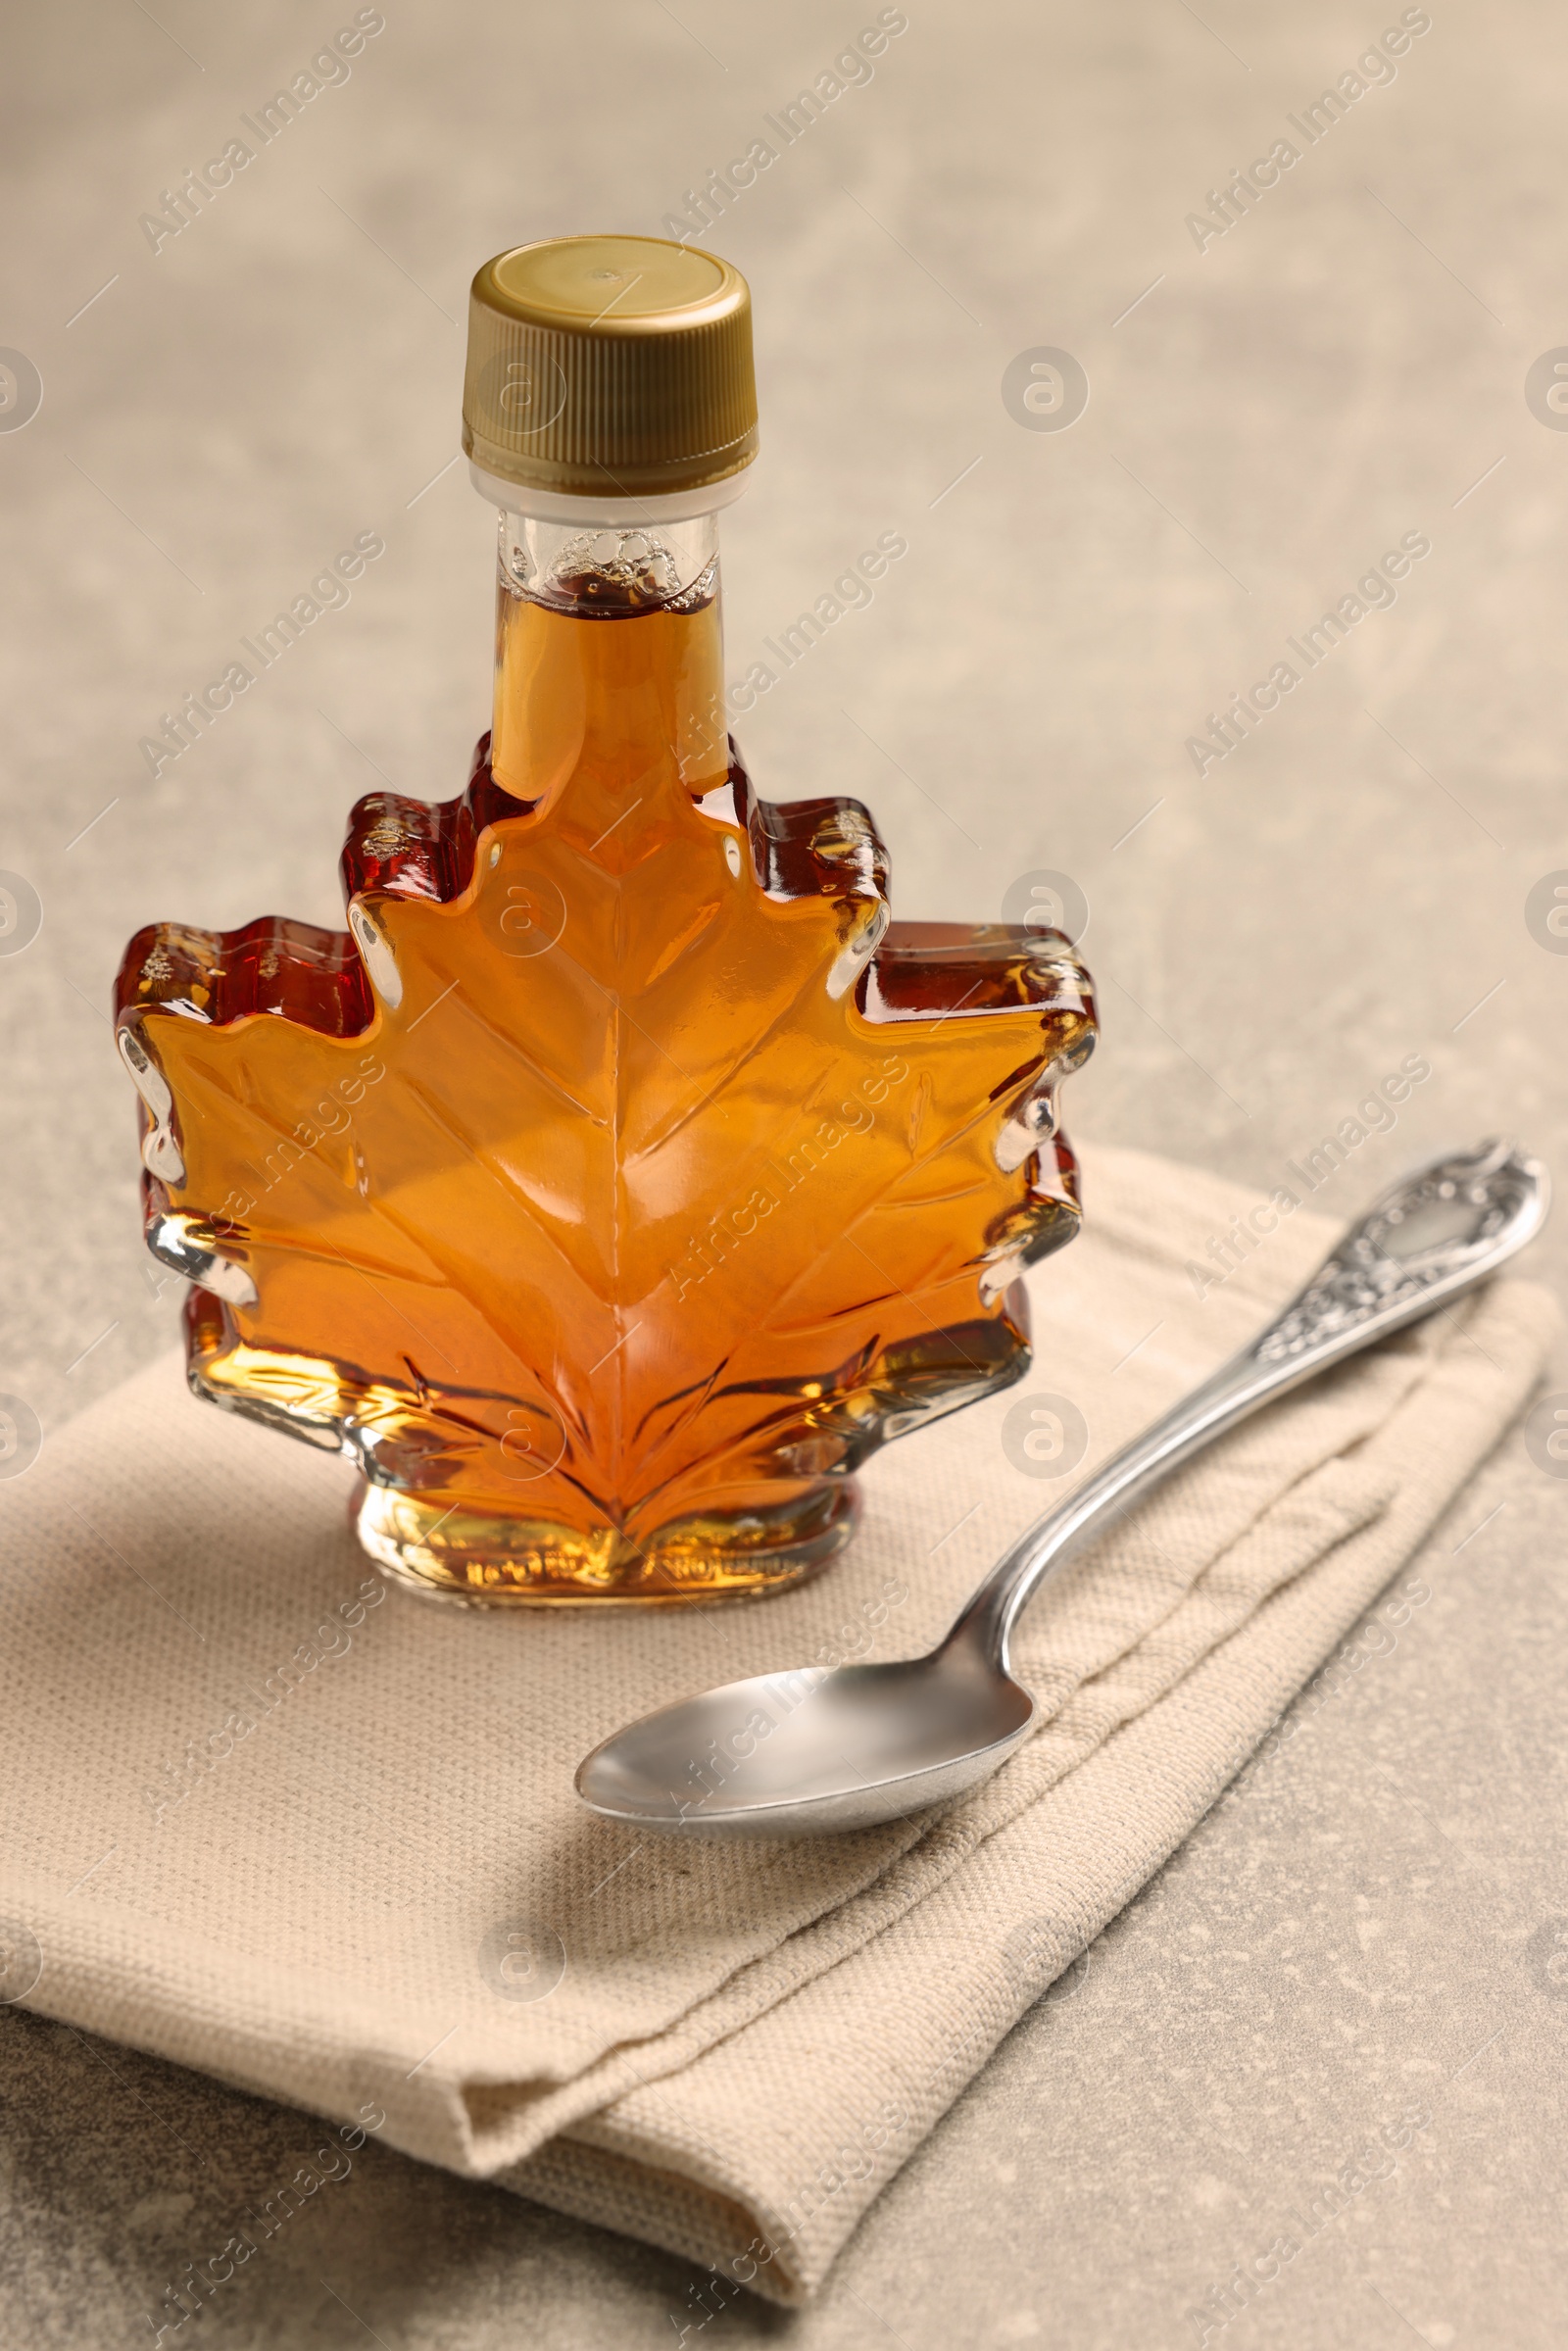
(610, 366)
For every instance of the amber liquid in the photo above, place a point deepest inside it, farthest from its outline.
(614, 1192)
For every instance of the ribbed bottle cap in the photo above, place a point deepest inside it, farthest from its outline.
(612, 367)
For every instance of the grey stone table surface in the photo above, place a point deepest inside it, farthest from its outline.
(1354, 351)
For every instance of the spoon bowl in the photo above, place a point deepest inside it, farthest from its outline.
(799, 1753)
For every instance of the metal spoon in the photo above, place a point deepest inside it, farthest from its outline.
(812, 1751)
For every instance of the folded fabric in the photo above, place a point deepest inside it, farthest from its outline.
(273, 1819)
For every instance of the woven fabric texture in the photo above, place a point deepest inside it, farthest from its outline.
(272, 1819)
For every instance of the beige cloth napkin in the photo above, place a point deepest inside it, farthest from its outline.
(317, 1836)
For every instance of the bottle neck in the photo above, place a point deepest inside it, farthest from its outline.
(609, 680)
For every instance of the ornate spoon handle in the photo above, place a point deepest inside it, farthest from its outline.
(1433, 1234)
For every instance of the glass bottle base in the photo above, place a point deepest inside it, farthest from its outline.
(492, 1558)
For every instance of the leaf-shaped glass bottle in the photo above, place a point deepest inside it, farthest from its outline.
(622, 1177)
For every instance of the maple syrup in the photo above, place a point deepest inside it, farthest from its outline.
(623, 1177)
